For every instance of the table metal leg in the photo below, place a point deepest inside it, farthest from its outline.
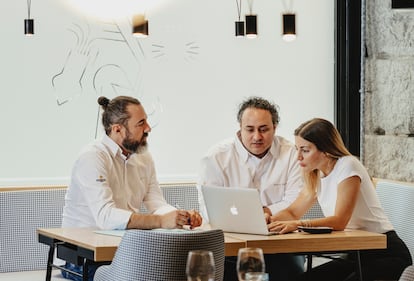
(309, 262)
(359, 269)
(85, 270)
(50, 261)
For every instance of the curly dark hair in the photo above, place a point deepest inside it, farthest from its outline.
(261, 103)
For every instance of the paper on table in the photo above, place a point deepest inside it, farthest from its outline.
(119, 233)
(185, 229)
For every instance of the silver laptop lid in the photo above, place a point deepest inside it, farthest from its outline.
(235, 209)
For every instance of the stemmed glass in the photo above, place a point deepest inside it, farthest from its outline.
(249, 260)
(200, 266)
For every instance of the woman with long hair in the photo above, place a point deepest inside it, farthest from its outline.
(347, 196)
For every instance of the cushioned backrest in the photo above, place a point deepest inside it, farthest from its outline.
(180, 195)
(397, 199)
(21, 213)
(150, 255)
(314, 212)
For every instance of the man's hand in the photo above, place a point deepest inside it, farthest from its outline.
(195, 219)
(174, 219)
(179, 218)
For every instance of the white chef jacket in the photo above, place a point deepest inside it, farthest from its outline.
(368, 214)
(106, 187)
(276, 176)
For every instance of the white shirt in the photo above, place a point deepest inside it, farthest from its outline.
(368, 213)
(276, 176)
(106, 187)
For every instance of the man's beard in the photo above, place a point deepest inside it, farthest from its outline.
(133, 146)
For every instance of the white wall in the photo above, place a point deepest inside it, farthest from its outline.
(191, 73)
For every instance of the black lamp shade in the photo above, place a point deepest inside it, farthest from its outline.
(29, 27)
(239, 28)
(289, 26)
(251, 26)
(402, 4)
(139, 26)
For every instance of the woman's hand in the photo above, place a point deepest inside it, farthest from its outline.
(283, 227)
(267, 214)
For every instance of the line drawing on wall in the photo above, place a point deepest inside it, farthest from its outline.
(89, 66)
(85, 64)
(86, 69)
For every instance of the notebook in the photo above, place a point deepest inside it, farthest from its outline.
(235, 209)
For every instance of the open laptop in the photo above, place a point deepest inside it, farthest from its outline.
(235, 209)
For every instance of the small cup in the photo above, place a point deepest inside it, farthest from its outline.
(257, 276)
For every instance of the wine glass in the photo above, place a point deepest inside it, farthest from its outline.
(249, 260)
(200, 266)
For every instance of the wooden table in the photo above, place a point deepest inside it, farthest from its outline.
(302, 242)
(85, 246)
(308, 244)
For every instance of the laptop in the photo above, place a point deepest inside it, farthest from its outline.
(235, 210)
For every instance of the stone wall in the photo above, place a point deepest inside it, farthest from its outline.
(388, 150)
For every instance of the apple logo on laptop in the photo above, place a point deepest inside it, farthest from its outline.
(233, 210)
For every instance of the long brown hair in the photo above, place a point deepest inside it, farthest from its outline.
(327, 139)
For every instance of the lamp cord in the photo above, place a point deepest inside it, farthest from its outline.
(250, 6)
(29, 3)
(238, 2)
(288, 8)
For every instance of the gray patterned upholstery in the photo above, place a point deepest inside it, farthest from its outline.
(23, 210)
(397, 200)
(180, 195)
(21, 213)
(160, 255)
(408, 274)
(314, 212)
